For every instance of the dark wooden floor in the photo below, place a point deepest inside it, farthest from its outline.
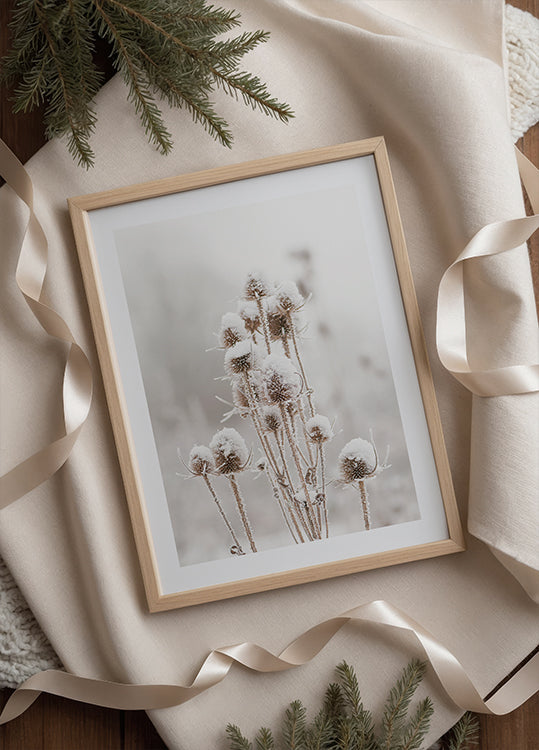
(58, 724)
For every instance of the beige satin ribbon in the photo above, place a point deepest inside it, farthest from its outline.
(77, 390)
(215, 668)
(77, 384)
(492, 239)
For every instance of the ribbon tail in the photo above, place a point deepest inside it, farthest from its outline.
(77, 383)
(303, 649)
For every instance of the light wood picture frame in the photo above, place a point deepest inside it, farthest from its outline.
(276, 297)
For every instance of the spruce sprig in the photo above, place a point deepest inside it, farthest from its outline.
(164, 49)
(343, 723)
(398, 703)
(464, 735)
(295, 726)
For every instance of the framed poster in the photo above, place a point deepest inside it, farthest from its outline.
(266, 374)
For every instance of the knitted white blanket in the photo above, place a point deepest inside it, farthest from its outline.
(24, 649)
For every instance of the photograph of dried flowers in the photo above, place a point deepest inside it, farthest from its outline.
(266, 372)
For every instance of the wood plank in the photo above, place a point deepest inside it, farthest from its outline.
(79, 726)
(139, 733)
(518, 730)
(26, 732)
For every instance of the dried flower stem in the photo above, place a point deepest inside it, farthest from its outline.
(257, 421)
(266, 445)
(300, 363)
(295, 506)
(286, 345)
(307, 443)
(319, 518)
(241, 507)
(265, 326)
(323, 486)
(223, 514)
(277, 497)
(295, 454)
(365, 505)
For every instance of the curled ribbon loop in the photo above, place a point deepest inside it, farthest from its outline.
(215, 668)
(491, 240)
(77, 385)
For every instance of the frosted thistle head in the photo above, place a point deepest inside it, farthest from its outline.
(289, 297)
(232, 330)
(201, 461)
(279, 324)
(280, 378)
(357, 460)
(250, 314)
(239, 389)
(229, 451)
(241, 358)
(318, 429)
(256, 286)
(272, 419)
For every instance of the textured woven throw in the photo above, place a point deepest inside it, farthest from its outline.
(24, 649)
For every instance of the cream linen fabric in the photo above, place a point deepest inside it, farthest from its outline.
(429, 77)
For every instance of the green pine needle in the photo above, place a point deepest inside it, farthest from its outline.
(167, 50)
(264, 739)
(418, 726)
(295, 727)
(320, 734)
(344, 724)
(465, 734)
(237, 740)
(398, 702)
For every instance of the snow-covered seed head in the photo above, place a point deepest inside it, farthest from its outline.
(281, 380)
(201, 461)
(272, 419)
(250, 314)
(278, 322)
(256, 286)
(241, 357)
(239, 389)
(232, 330)
(318, 429)
(229, 451)
(357, 460)
(289, 297)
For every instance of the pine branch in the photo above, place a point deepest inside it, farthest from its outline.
(465, 733)
(345, 734)
(294, 729)
(264, 739)
(237, 740)
(201, 110)
(31, 91)
(350, 687)
(164, 50)
(418, 726)
(320, 735)
(362, 721)
(398, 702)
(344, 724)
(69, 104)
(28, 43)
(252, 90)
(133, 74)
(333, 701)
